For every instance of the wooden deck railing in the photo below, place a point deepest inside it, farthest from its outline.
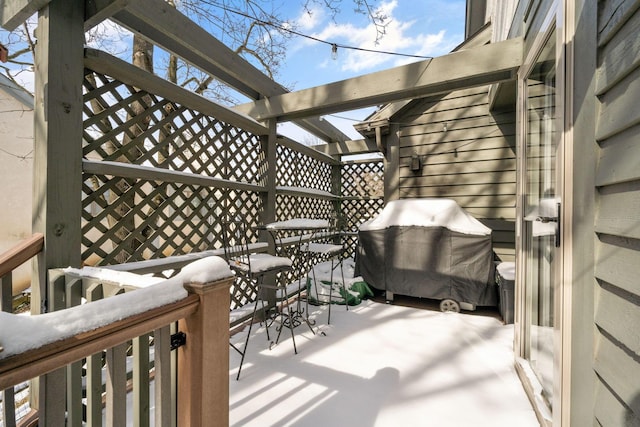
(9, 261)
(202, 365)
(12, 259)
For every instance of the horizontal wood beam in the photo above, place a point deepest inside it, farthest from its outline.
(21, 253)
(175, 262)
(481, 65)
(104, 63)
(125, 170)
(97, 11)
(322, 129)
(165, 26)
(306, 192)
(15, 12)
(175, 32)
(360, 146)
(306, 150)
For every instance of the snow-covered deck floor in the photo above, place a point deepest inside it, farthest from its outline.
(382, 365)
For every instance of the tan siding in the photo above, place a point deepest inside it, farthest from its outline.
(610, 411)
(467, 154)
(457, 178)
(619, 56)
(468, 140)
(620, 159)
(618, 264)
(612, 15)
(619, 214)
(494, 189)
(617, 222)
(619, 318)
(495, 167)
(460, 124)
(619, 107)
(448, 114)
(616, 368)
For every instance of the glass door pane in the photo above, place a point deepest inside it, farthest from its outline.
(541, 210)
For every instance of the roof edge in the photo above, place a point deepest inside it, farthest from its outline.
(17, 92)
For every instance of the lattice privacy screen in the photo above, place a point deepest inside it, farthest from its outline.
(143, 198)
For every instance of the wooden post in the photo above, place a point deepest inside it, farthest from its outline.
(336, 188)
(203, 362)
(57, 167)
(270, 149)
(57, 183)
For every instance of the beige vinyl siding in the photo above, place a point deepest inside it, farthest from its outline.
(617, 223)
(467, 154)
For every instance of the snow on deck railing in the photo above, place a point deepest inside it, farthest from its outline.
(21, 333)
(197, 298)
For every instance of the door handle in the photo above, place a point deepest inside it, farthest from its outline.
(546, 219)
(558, 213)
(556, 219)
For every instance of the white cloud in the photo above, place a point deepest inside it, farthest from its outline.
(310, 19)
(110, 37)
(400, 36)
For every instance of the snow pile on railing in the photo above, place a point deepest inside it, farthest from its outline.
(19, 333)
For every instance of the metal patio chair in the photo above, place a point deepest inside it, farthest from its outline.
(253, 268)
(334, 252)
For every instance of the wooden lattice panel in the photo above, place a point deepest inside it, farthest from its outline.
(288, 207)
(129, 125)
(133, 219)
(164, 219)
(355, 212)
(138, 217)
(363, 192)
(295, 169)
(363, 179)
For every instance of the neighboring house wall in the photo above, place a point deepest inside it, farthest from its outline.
(617, 222)
(467, 153)
(16, 169)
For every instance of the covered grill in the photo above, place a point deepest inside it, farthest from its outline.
(428, 248)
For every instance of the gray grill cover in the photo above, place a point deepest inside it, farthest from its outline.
(429, 262)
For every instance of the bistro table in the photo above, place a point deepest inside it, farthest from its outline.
(295, 233)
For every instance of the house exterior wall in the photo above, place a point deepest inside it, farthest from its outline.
(16, 170)
(466, 153)
(617, 221)
(599, 292)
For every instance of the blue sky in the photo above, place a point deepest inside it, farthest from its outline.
(416, 27)
(422, 27)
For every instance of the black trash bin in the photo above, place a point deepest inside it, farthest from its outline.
(505, 278)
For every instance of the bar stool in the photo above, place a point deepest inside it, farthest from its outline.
(253, 268)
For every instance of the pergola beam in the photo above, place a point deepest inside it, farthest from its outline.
(482, 65)
(167, 27)
(15, 12)
(123, 71)
(162, 24)
(97, 11)
(359, 146)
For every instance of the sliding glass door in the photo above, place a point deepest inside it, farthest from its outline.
(541, 208)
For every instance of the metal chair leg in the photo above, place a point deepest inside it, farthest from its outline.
(291, 326)
(246, 341)
(344, 284)
(330, 293)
